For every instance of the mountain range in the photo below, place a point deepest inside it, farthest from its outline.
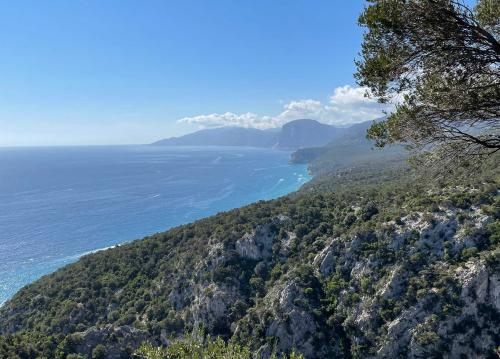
(293, 135)
(370, 259)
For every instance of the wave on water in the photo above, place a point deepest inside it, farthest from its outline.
(71, 203)
(224, 193)
(277, 184)
(75, 257)
(270, 168)
(217, 160)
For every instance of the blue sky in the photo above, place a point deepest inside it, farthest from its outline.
(122, 71)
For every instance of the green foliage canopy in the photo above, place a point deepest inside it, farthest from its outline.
(440, 62)
(200, 347)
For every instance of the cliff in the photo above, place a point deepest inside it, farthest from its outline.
(356, 268)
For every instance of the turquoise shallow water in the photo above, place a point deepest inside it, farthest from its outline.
(57, 204)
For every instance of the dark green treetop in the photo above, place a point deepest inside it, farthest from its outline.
(439, 61)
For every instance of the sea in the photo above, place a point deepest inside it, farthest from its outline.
(59, 203)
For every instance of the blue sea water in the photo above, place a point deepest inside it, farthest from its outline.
(57, 204)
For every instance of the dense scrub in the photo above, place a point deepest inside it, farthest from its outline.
(196, 346)
(336, 270)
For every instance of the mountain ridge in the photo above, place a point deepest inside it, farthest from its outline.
(293, 135)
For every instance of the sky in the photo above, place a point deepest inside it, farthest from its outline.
(85, 72)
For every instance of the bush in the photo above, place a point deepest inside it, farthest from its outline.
(468, 253)
(199, 347)
(368, 211)
(349, 220)
(99, 352)
(427, 338)
(494, 232)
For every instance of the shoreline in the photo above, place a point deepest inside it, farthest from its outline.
(300, 174)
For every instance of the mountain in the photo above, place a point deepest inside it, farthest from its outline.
(361, 264)
(350, 148)
(353, 135)
(293, 135)
(305, 133)
(223, 136)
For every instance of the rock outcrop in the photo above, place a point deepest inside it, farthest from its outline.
(414, 279)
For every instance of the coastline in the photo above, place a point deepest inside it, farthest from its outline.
(299, 176)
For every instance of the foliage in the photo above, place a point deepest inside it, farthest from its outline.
(440, 61)
(147, 289)
(374, 238)
(200, 347)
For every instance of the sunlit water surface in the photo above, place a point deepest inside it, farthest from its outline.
(57, 204)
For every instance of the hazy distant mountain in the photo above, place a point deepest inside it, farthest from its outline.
(355, 134)
(223, 136)
(293, 135)
(350, 146)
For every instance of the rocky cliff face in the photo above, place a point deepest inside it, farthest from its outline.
(435, 306)
(305, 133)
(414, 278)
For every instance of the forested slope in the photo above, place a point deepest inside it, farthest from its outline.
(364, 263)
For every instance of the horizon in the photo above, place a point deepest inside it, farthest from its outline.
(90, 73)
(234, 179)
(189, 133)
(122, 72)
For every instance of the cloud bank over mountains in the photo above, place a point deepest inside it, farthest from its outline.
(347, 105)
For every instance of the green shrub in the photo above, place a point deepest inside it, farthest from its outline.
(200, 347)
(494, 232)
(427, 338)
(99, 352)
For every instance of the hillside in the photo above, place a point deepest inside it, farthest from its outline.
(349, 150)
(362, 264)
(293, 135)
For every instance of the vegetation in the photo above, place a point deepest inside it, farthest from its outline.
(440, 60)
(163, 286)
(200, 347)
(371, 260)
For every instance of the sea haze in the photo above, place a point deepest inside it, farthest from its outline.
(57, 204)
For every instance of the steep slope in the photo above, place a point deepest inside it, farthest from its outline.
(349, 149)
(305, 133)
(399, 268)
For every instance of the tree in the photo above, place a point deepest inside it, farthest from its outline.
(439, 61)
(99, 352)
(200, 347)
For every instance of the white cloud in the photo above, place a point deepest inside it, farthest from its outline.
(347, 105)
(347, 95)
(301, 109)
(231, 119)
